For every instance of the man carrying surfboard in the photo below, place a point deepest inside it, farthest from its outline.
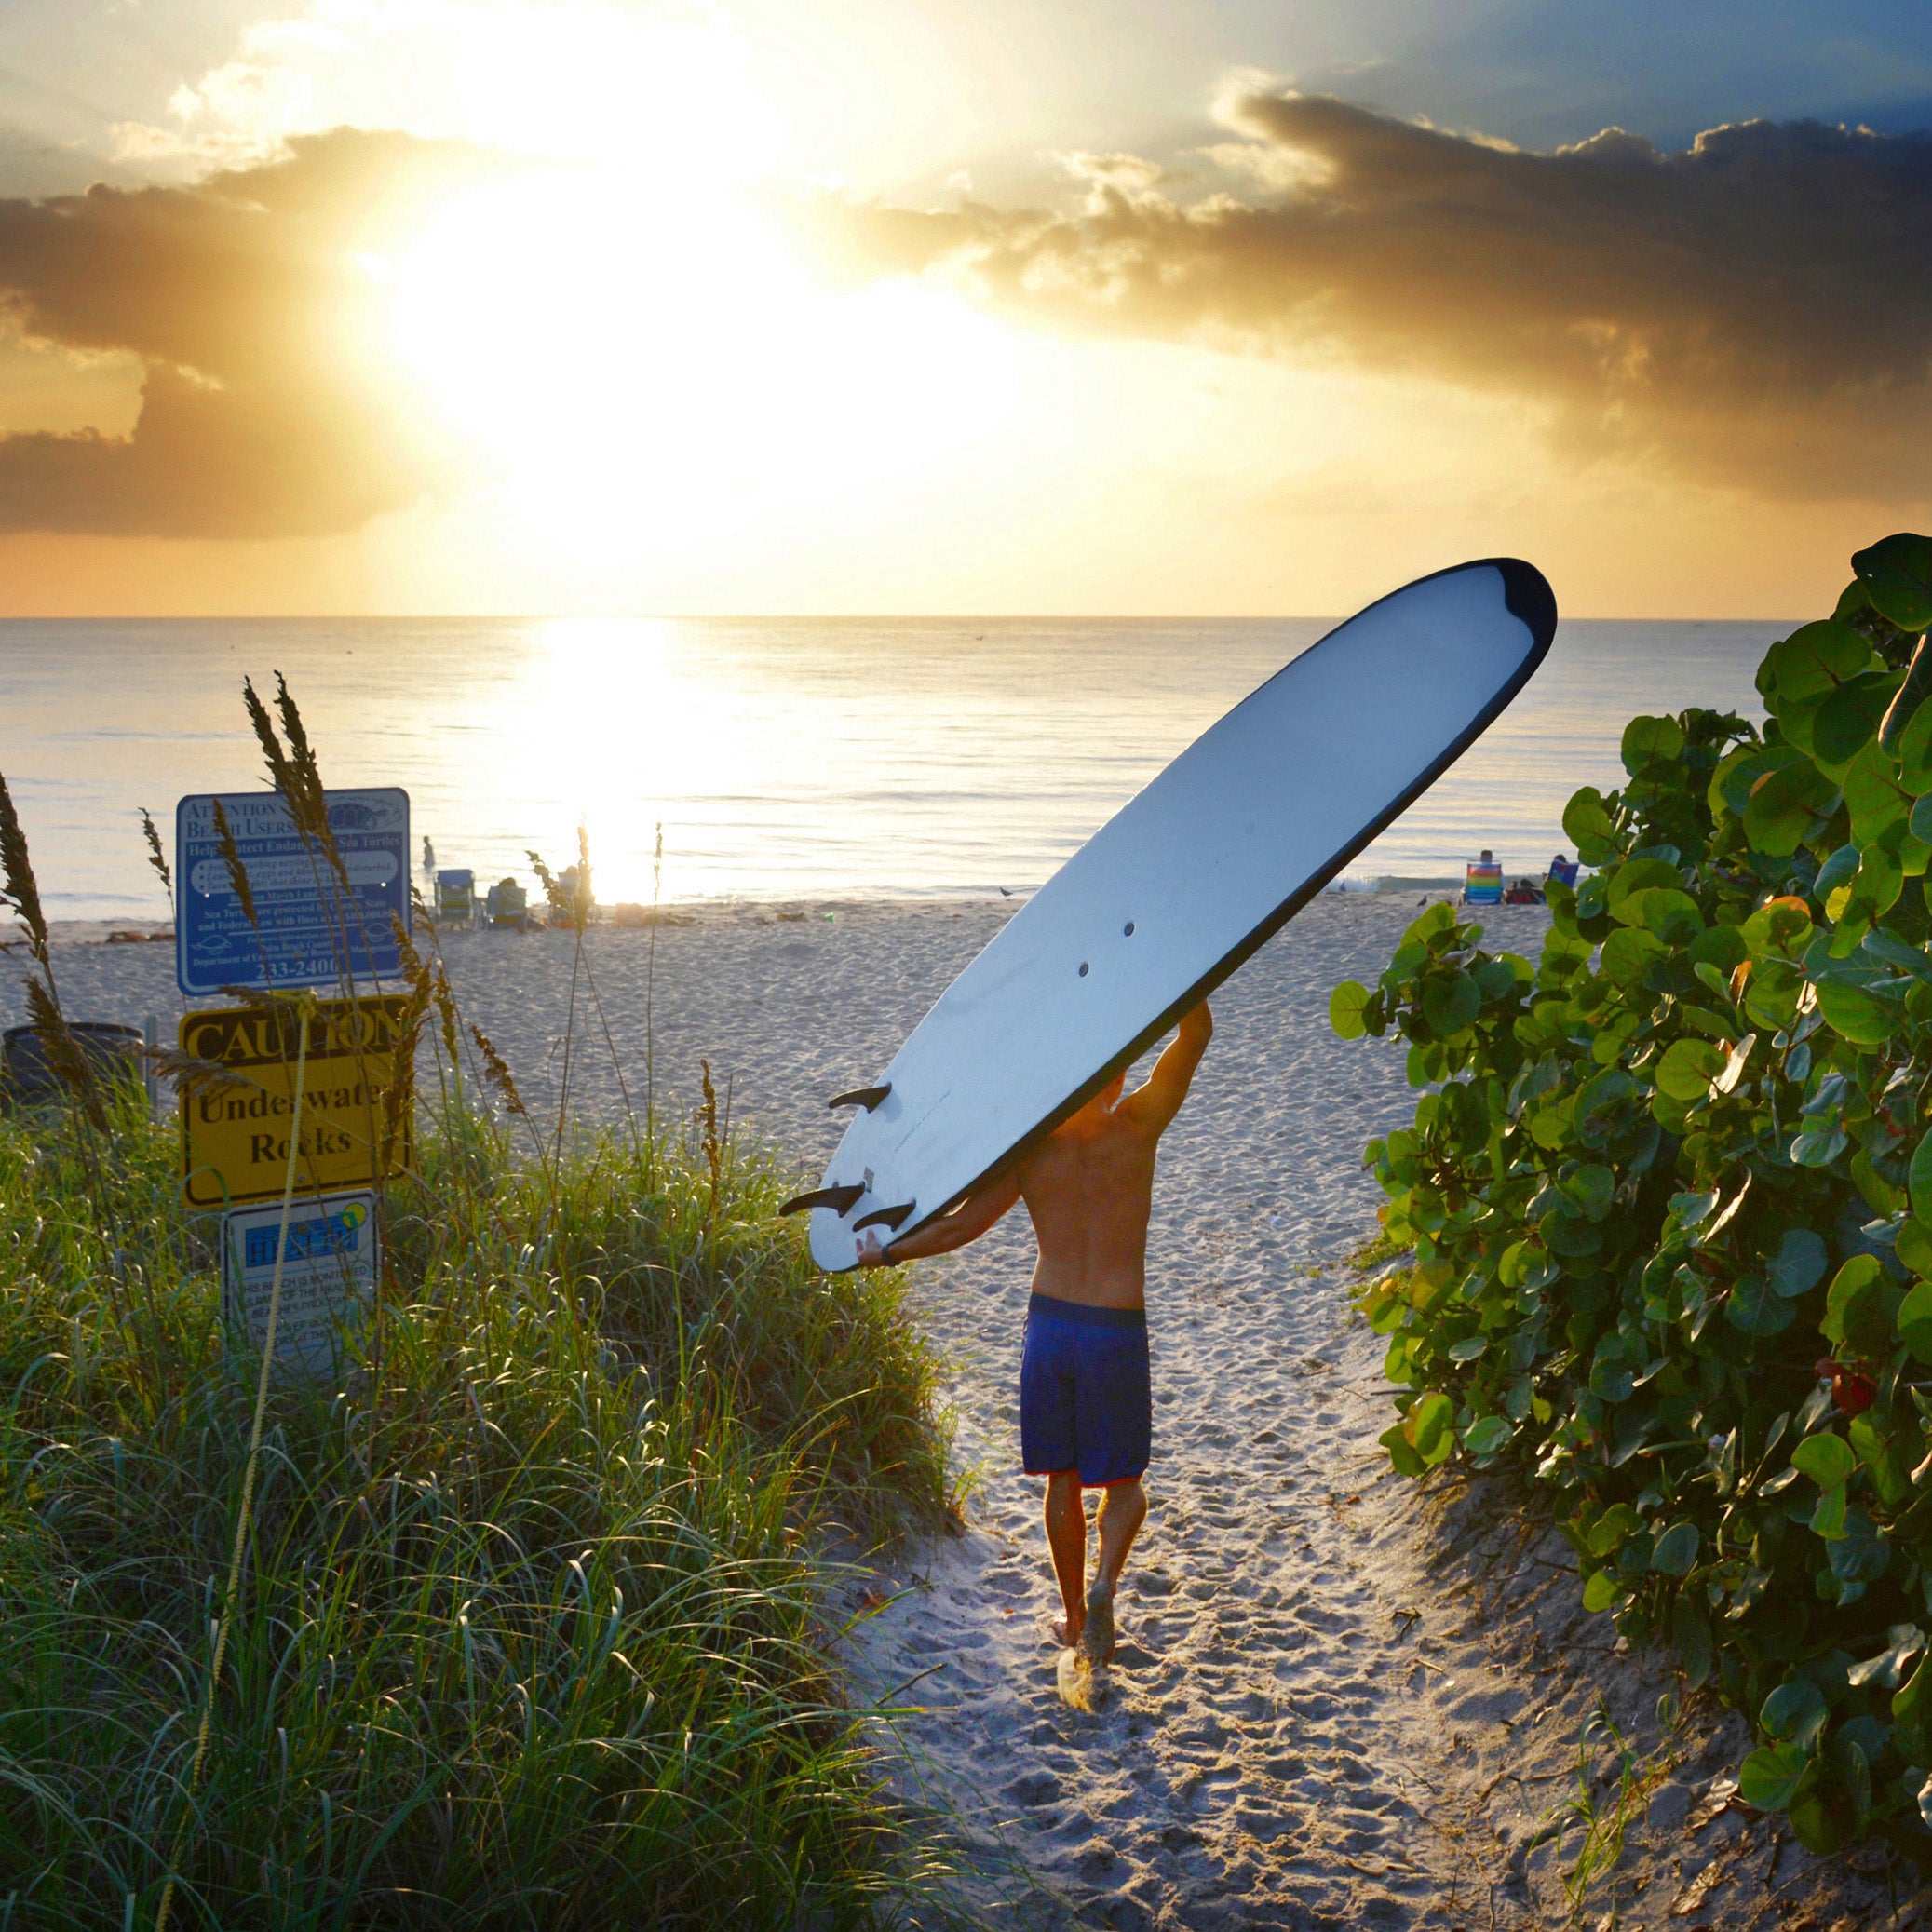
(1086, 1415)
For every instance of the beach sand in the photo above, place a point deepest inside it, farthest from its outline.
(1341, 1699)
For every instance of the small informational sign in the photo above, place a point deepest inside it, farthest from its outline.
(306, 931)
(235, 1130)
(329, 1271)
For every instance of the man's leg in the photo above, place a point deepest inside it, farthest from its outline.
(1123, 1510)
(1066, 1537)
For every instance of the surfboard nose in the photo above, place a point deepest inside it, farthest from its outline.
(1526, 594)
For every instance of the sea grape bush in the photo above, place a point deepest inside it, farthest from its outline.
(1670, 1200)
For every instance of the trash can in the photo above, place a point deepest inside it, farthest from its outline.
(27, 1080)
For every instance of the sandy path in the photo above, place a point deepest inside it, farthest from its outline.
(1341, 1701)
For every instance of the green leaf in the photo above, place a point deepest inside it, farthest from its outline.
(1781, 806)
(1876, 799)
(1431, 1428)
(1568, 1234)
(1915, 751)
(1796, 1713)
(1675, 1550)
(1919, 1178)
(1757, 1308)
(1914, 1246)
(1687, 1068)
(1826, 1458)
(1600, 1104)
(1487, 1435)
(1799, 1263)
(1629, 955)
(1771, 996)
(1903, 1642)
(1815, 659)
(1613, 1374)
(1641, 875)
(1912, 1716)
(1721, 946)
(1818, 1147)
(1780, 926)
(1591, 1188)
(1849, 720)
(1856, 1015)
(1650, 741)
(1840, 869)
(1672, 915)
(1604, 1591)
(1828, 1519)
(1345, 1006)
(1914, 1319)
(1691, 1628)
(1402, 1453)
(1589, 825)
(1897, 573)
(1425, 926)
(1858, 1279)
(1768, 1779)
(1450, 1003)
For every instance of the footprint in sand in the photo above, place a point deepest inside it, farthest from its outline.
(1084, 1685)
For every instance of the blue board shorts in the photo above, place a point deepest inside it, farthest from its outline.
(1085, 1402)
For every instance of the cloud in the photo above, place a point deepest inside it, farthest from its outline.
(1755, 310)
(267, 410)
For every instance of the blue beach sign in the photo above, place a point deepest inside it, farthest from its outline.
(309, 934)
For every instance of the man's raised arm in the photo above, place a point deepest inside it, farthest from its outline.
(966, 1222)
(1155, 1104)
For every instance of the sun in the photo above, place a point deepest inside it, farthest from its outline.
(637, 365)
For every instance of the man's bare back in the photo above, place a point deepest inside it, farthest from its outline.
(1085, 1413)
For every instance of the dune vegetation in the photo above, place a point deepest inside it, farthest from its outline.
(1670, 1201)
(530, 1624)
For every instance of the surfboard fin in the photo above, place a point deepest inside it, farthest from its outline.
(893, 1218)
(838, 1199)
(866, 1096)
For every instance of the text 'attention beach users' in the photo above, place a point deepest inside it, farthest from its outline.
(1086, 1413)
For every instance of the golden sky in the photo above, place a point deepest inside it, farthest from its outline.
(497, 305)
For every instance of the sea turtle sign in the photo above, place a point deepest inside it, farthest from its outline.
(306, 932)
(235, 1133)
(329, 1262)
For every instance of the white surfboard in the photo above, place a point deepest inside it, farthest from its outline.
(1186, 882)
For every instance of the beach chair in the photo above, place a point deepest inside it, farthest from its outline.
(1563, 871)
(1482, 885)
(456, 897)
(506, 904)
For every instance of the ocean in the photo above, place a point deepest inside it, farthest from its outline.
(784, 758)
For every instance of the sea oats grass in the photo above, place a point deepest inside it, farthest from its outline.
(530, 1632)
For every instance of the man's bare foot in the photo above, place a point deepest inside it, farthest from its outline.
(1062, 1637)
(1097, 1638)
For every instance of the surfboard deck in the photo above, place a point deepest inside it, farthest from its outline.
(1184, 883)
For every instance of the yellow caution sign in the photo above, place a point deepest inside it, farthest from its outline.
(234, 1131)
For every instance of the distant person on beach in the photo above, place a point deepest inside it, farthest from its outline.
(1086, 1415)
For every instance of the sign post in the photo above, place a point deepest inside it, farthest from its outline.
(331, 1266)
(307, 931)
(235, 1137)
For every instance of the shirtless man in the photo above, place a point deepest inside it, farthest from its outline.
(1085, 1420)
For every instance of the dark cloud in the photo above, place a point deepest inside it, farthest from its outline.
(267, 410)
(1756, 309)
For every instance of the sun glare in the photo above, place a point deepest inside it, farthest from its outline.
(639, 367)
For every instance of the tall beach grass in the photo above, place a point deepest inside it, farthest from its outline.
(529, 1631)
